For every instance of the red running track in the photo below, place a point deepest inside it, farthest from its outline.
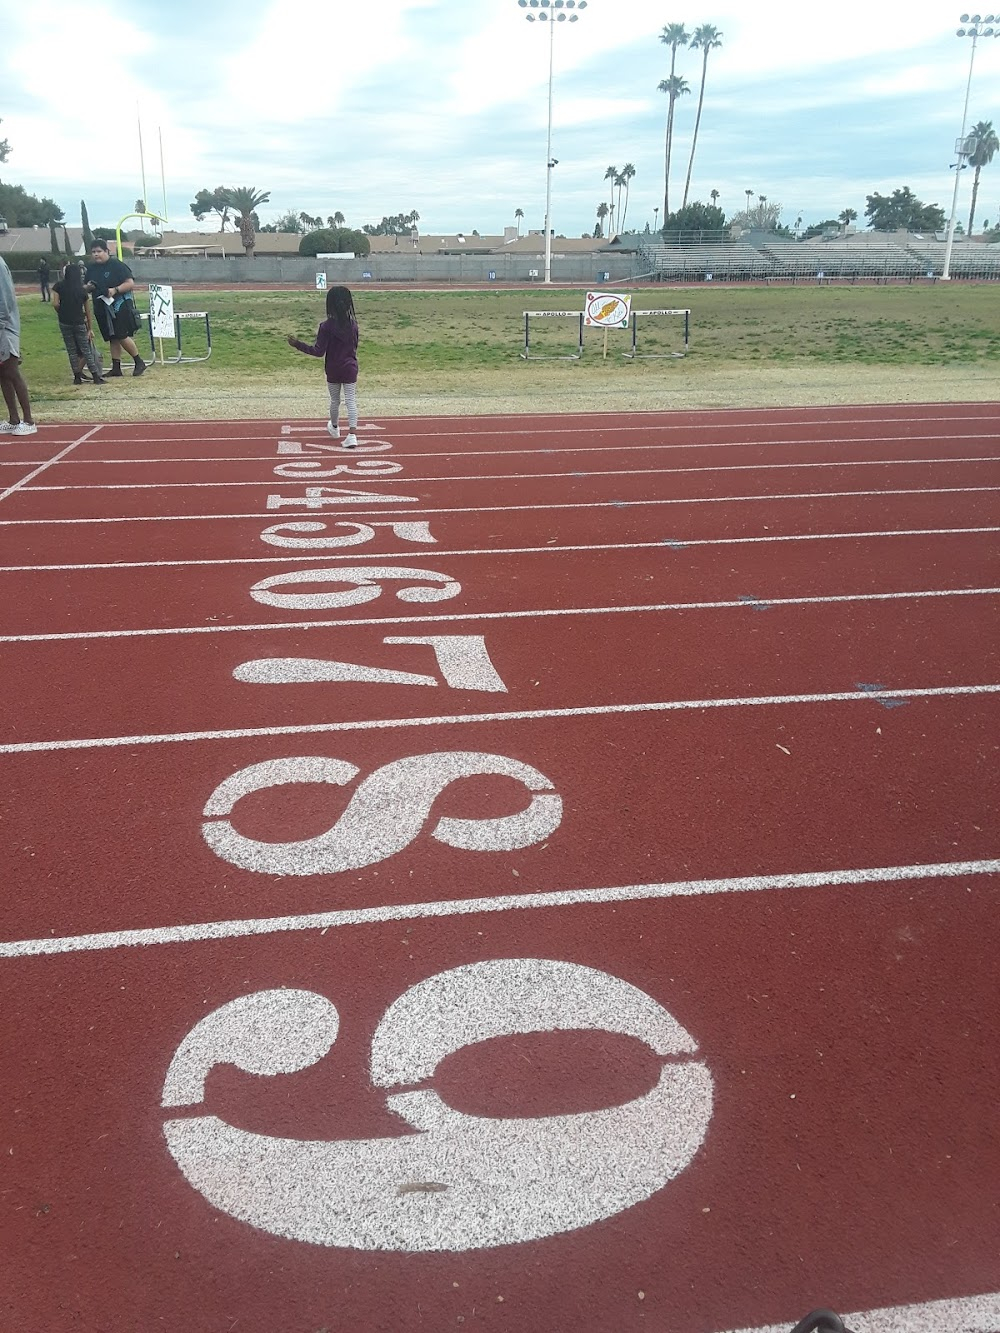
(673, 922)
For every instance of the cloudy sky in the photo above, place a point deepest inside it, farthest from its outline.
(440, 106)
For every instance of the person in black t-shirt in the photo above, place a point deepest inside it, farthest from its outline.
(72, 305)
(112, 283)
(43, 279)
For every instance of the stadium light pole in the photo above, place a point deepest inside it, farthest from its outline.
(551, 12)
(977, 26)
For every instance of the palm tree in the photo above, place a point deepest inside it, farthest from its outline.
(673, 35)
(243, 201)
(602, 213)
(612, 175)
(706, 38)
(674, 87)
(714, 196)
(846, 217)
(628, 172)
(518, 215)
(749, 195)
(981, 156)
(619, 182)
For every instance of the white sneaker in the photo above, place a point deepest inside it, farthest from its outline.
(25, 428)
(350, 440)
(333, 431)
(7, 428)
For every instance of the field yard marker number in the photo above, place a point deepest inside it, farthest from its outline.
(460, 1182)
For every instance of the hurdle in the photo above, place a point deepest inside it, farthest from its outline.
(180, 359)
(636, 355)
(529, 355)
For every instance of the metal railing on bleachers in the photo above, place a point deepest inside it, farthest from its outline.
(863, 257)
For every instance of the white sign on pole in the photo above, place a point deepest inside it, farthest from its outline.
(607, 310)
(321, 282)
(161, 311)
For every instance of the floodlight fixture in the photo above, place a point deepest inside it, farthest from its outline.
(544, 16)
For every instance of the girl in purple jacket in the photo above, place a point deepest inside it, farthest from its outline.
(337, 342)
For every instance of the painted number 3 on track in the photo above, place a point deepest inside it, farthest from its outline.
(449, 1181)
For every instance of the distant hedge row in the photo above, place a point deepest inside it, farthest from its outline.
(23, 264)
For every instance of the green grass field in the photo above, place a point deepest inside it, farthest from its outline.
(460, 351)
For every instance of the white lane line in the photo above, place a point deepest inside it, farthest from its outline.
(341, 511)
(510, 715)
(461, 616)
(964, 1314)
(361, 916)
(512, 550)
(651, 420)
(23, 483)
(568, 449)
(402, 480)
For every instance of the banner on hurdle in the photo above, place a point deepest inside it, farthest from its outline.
(529, 355)
(635, 354)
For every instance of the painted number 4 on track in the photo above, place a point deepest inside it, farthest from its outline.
(450, 1181)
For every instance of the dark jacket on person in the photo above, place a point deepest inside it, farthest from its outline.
(338, 346)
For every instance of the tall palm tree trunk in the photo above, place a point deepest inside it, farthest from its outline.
(975, 192)
(666, 162)
(697, 122)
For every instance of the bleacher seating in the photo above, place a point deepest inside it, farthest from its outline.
(859, 257)
(691, 263)
(969, 259)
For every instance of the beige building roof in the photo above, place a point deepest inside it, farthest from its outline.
(37, 238)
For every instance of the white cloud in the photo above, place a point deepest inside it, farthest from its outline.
(442, 107)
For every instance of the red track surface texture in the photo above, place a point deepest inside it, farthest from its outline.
(564, 901)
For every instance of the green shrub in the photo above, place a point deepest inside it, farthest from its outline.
(333, 240)
(23, 264)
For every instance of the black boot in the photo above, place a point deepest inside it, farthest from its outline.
(115, 373)
(140, 366)
(78, 379)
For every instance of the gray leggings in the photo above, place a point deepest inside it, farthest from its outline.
(350, 401)
(80, 349)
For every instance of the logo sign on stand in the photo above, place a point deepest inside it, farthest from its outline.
(321, 282)
(607, 310)
(161, 311)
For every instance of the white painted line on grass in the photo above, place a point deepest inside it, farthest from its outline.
(362, 916)
(669, 543)
(23, 483)
(402, 480)
(461, 616)
(510, 715)
(335, 511)
(964, 1314)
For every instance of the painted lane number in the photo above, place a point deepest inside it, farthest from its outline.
(463, 660)
(386, 813)
(497, 1181)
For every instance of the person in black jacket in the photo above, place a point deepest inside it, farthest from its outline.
(43, 278)
(72, 305)
(111, 283)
